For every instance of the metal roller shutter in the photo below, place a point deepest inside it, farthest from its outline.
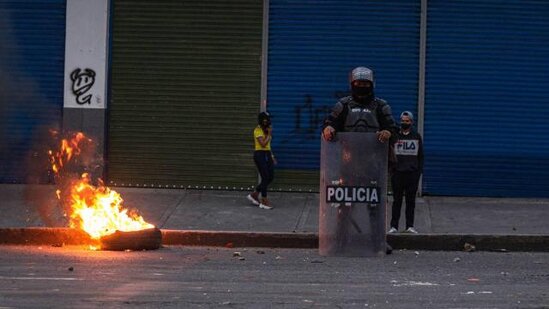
(32, 46)
(486, 98)
(186, 79)
(313, 45)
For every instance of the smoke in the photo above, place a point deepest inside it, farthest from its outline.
(27, 117)
(26, 114)
(5, 87)
(31, 107)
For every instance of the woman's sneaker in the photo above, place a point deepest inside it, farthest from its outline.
(392, 231)
(265, 204)
(254, 198)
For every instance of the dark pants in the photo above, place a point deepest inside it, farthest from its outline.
(404, 184)
(264, 163)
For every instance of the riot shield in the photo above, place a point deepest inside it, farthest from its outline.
(353, 195)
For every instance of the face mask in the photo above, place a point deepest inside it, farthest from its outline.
(405, 126)
(362, 94)
(361, 91)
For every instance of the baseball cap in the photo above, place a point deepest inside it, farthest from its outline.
(407, 113)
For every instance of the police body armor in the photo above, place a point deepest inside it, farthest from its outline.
(363, 117)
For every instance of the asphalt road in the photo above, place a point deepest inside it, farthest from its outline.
(198, 277)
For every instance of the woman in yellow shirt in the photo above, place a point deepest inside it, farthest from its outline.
(264, 160)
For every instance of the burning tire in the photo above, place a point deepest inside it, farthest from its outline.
(148, 239)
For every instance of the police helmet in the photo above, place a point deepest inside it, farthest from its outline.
(361, 73)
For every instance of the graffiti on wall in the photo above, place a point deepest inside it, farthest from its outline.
(82, 82)
(302, 130)
(308, 118)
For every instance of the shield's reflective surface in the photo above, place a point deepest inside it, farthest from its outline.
(353, 195)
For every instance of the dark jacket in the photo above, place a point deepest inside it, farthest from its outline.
(409, 151)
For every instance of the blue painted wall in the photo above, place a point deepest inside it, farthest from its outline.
(486, 98)
(313, 45)
(32, 47)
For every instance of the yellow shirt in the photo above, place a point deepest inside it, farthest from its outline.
(258, 132)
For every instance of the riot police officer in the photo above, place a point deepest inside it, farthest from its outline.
(361, 111)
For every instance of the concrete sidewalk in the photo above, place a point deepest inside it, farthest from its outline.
(456, 218)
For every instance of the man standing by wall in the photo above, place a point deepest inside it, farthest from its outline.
(408, 147)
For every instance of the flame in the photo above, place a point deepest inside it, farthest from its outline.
(97, 210)
(69, 148)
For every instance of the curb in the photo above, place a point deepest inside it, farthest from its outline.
(470, 242)
(44, 236)
(239, 239)
(436, 242)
